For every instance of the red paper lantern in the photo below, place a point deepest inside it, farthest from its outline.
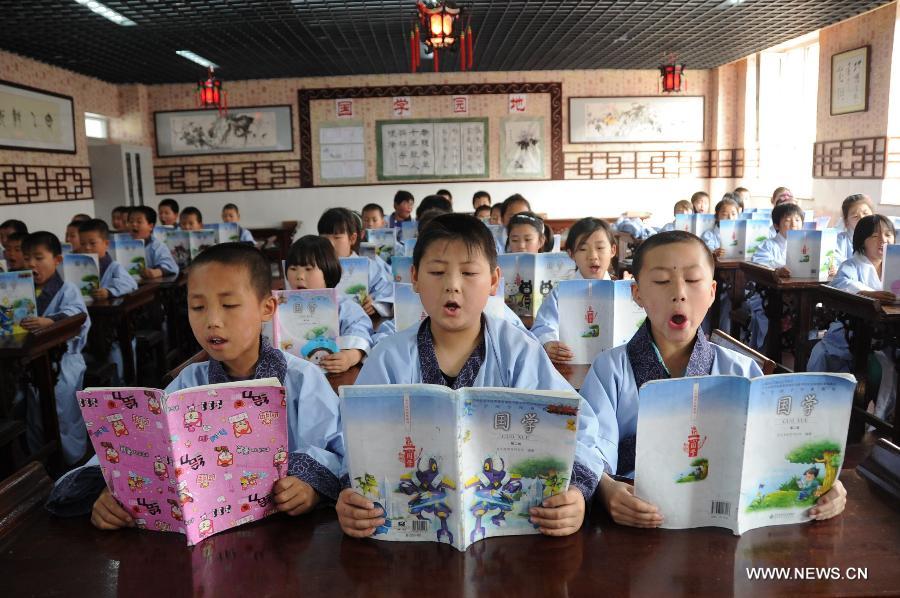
(438, 26)
(210, 93)
(672, 77)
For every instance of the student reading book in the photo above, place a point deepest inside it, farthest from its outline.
(115, 280)
(167, 210)
(853, 208)
(682, 206)
(159, 263)
(229, 297)
(455, 271)
(726, 209)
(674, 284)
(231, 213)
(592, 245)
(56, 300)
(525, 233)
(343, 229)
(312, 264)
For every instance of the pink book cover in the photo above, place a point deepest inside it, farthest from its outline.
(198, 461)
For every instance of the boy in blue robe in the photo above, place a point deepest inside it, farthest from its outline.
(141, 220)
(674, 284)
(115, 280)
(230, 213)
(229, 297)
(56, 300)
(455, 271)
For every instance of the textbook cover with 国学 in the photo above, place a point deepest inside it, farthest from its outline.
(595, 315)
(306, 323)
(354, 278)
(82, 270)
(197, 461)
(457, 466)
(130, 254)
(731, 452)
(811, 253)
(17, 301)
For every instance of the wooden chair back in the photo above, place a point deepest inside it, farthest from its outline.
(722, 339)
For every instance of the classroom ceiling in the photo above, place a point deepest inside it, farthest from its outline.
(304, 38)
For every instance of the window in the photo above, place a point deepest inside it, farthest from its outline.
(96, 126)
(788, 96)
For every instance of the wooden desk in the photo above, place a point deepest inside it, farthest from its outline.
(283, 556)
(35, 357)
(172, 293)
(778, 293)
(347, 378)
(867, 319)
(114, 319)
(729, 277)
(283, 237)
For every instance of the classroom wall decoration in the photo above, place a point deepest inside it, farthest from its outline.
(255, 129)
(522, 147)
(469, 115)
(636, 119)
(342, 152)
(417, 149)
(36, 120)
(850, 81)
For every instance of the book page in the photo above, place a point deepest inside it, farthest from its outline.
(130, 434)
(795, 441)
(229, 447)
(690, 447)
(549, 269)
(83, 271)
(401, 453)
(17, 301)
(516, 449)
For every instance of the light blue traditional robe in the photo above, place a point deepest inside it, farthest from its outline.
(381, 286)
(246, 236)
(844, 248)
(355, 325)
(159, 256)
(116, 279)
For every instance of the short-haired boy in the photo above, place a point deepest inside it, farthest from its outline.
(160, 262)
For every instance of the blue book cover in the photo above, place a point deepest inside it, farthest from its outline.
(82, 270)
(200, 240)
(130, 254)
(226, 232)
(890, 269)
(811, 253)
(736, 453)
(17, 301)
(66, 248)
(307, 323)
(408, 310)
(409, 230)
(381, 242)
(179, 244)
(517, 270)
(401, 268)
(595, 315)
(354, 278)
(457, 466)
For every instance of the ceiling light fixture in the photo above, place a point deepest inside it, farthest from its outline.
(106, 12)
(197, 59)
(730, 4)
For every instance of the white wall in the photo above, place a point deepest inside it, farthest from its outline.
(52, 217)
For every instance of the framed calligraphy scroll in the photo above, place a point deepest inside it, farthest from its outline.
(36, 120)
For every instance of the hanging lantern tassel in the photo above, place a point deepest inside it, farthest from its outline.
(418, 45)
(435, 54)
(462, 51)
(469, 47)
(412, 51)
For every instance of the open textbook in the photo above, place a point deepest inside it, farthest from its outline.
(736, 453)
(457, 466)
(197, 461)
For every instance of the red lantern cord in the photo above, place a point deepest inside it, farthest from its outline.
(462, 52)
(435, 54)
(469, 46)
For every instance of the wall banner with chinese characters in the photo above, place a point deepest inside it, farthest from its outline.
(448, 148)
(36, 120)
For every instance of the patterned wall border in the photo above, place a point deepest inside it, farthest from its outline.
(24, 184)
(861, 158)
(258, 175)
(658, 164)
(305, 96)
